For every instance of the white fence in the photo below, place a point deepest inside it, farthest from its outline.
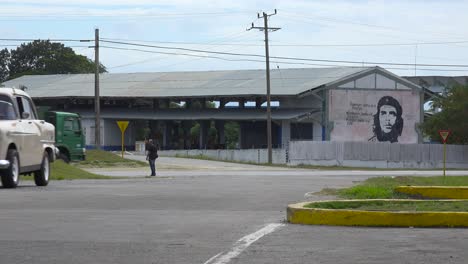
(243, 155)
(351, 154)
(377, 155)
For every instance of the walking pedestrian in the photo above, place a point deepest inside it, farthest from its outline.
(151, 156)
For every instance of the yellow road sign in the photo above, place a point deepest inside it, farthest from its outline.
(122, 125)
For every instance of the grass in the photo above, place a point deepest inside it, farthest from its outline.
(444, 206)
(59, 170)
(104, 159)
(383, 187)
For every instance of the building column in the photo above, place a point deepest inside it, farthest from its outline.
(156, 104)
(186, 126)
(219, 125)
(222, 103)
(241, 134)
(167, 134)
(242, 103)
(285, 132)
(258, 103)
(204, 125)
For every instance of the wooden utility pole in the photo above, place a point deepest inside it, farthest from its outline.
(265, 29)
(97, 107)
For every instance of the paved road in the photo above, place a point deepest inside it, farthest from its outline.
(191, 216)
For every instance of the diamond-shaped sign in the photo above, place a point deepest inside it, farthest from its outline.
(444, 135)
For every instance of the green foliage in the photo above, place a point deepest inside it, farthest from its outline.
(60, 170)
(231, 132)
(4, 61)
(383, 187)
(104, 159)
(195, 130)
(45, 57)
(454, 116)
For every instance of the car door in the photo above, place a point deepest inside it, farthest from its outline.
(9, 118)
(70, 136)
(31, 155)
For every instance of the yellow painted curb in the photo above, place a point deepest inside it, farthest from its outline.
(297, 214)
(444, 192)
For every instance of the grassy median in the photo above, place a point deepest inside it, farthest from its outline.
(383, 187)
(104, 159)
(60, 170)
(398, 205)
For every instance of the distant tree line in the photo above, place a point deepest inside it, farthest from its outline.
(43, 57)
(449, 112)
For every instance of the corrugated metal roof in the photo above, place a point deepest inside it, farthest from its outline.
(284, 82)
(201, 114)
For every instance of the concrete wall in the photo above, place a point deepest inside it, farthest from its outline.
(376, 154)
(110, 134)
(350, 154)
(352, 113)
(243, 155)
(113, 136)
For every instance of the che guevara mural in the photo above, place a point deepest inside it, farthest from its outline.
(374, 116)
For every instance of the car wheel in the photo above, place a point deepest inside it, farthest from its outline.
(41, 177)
(10, 176)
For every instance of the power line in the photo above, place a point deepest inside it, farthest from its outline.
(119, 15)
(260, 61)
(350, 22)
(298, 45)
(289, 58)
(180, 54)
(183, 49)
(57, 40)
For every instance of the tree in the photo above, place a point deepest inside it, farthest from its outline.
(45, 57)
(450, 112)
(4, 61)
(232, 131)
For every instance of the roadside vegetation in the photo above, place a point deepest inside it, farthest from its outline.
(60, 170)
(104, 159)
(440, 206)
(383, 187)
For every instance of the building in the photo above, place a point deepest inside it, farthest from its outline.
(321, 104)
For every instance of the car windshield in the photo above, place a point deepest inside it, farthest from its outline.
(7, 112)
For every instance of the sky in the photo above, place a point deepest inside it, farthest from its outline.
(313, 33)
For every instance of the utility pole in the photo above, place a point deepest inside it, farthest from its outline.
(265, 29)
(97, 107)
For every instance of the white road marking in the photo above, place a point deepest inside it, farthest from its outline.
(212, 258)
(242, 244)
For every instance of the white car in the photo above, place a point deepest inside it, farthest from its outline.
(26, 143)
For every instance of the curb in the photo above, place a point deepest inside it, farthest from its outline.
(444, 192)
(297, 214)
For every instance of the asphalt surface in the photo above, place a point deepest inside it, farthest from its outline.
(195, 210)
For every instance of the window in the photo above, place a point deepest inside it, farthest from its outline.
(71, 124)
(7, 111)
(26, 106)
(301, 131)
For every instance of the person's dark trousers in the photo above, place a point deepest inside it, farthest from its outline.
(152, 166)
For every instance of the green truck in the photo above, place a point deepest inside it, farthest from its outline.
(69, 137)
